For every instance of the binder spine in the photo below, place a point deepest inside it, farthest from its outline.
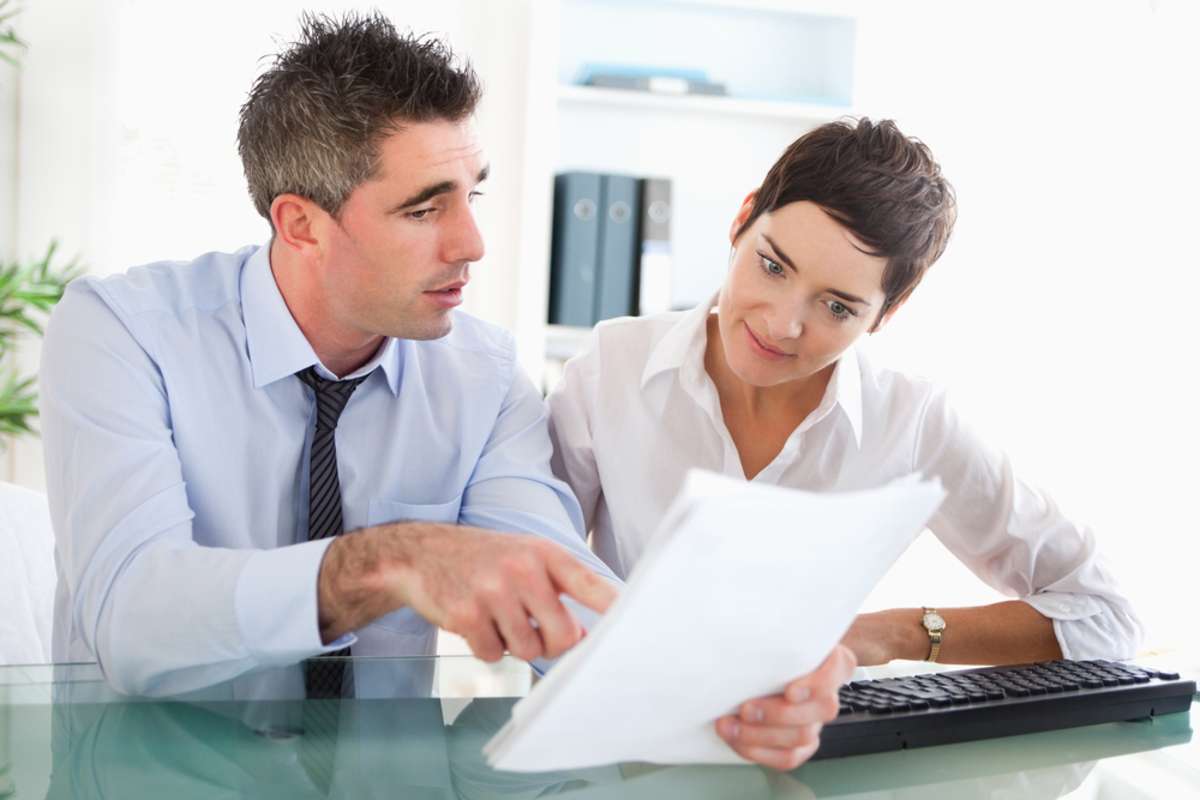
(574, 248)
(616, 286)
(655, 259)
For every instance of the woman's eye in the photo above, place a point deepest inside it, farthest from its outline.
(840, 310)
(474, 196)
(771, 267)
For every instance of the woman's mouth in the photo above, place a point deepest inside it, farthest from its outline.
(764, 350)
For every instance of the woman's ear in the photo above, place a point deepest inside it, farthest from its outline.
(742, 215)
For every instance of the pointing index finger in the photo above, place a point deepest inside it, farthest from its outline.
(575, 580)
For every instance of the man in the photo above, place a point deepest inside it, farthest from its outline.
(212, 428)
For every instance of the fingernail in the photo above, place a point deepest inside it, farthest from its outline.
(752, 713)
(730, 728)
(798, 694)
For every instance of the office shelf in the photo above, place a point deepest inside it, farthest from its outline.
(704, 104)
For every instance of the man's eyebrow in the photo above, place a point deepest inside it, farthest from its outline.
(433, 190)
(835, 292)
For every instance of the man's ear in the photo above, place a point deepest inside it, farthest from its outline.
(887, 316)
(298, 223)
(742, 215)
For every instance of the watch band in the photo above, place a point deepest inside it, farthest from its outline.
(935, 636)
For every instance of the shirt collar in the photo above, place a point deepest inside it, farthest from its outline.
(845, 386)
(676, 346)
(276, 345)
(685, 342)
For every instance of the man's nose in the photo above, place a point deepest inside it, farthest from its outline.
(464, 242)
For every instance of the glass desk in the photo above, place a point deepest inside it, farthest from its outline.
(418, 724)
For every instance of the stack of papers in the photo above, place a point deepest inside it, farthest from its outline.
(743, 588)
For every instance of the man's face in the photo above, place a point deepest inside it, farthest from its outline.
(396, 260)
(800, 290)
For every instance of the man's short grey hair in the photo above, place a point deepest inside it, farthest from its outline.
(314, 120)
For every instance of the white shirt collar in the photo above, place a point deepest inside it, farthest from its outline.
(685, 342)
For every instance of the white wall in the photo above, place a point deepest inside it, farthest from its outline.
(128, 122)
(1061, 315)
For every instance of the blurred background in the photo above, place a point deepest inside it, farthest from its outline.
(1060, 316)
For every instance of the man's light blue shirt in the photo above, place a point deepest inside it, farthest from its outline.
(177, 442)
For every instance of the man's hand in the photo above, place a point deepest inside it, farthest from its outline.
(782, 731)
(483, 586)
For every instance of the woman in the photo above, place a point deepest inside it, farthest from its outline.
(763, 383)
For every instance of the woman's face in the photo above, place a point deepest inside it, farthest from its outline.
(800, 290)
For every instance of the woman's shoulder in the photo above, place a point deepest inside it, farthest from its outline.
(629, 339)
(629, 330)
(893, 392)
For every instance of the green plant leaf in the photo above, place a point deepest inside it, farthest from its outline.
(27, 294)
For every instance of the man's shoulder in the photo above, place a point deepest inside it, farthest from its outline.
(205, 283)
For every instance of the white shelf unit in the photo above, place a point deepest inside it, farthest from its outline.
(788, 67)
(619, 99)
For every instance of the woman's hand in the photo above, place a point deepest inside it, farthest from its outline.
(782, 731)
(879, 637)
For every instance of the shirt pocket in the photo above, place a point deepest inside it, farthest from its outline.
(381, 512)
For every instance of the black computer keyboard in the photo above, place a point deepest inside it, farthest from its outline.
(963, 705)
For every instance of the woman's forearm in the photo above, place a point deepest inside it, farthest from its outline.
(1011, 632)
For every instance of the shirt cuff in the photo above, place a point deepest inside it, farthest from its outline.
(276, 603)
(1064, 605)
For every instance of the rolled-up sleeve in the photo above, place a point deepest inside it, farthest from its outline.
(1017, 540)
(160, 613)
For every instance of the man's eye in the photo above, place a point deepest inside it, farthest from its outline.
(420, 213)
(473, 195)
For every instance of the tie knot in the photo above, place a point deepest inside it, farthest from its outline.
(332, 396)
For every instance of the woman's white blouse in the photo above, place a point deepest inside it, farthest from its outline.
(636, 409)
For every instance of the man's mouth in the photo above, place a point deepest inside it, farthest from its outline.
(450, 287)
(447, 296)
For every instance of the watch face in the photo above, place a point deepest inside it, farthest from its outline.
(934, 622)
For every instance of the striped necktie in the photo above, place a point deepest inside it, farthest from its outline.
(326, 678)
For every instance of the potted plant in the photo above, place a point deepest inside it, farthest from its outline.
(27, 292)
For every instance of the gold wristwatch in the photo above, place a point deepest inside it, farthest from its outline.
(934, 625)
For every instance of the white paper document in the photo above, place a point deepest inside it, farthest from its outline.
(743, 588)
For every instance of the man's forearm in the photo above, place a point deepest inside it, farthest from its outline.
(360, 579)
(1011, 632)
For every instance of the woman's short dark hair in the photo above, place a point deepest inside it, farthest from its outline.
(314, 120)
(882, 185)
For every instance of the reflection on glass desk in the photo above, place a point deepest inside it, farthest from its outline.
(417, 727)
